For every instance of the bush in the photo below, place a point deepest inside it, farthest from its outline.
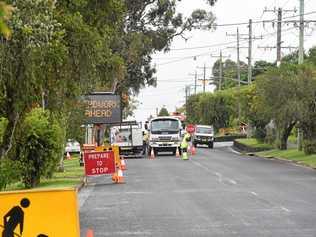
(40, 146)
(9, 172)
(309, 147)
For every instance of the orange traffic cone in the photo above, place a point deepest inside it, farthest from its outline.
(68, 156)
(152, 154)
(90, 233)
(114, 177)
(120, 177)
(177, 153)
(123, 164)
(193, 150)
(190, 149)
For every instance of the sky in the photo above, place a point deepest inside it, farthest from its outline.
(176, 68)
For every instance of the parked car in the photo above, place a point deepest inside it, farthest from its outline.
(72, 146)
(204, 135)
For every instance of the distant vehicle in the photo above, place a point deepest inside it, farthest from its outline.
(204, 135)
(164, 134)
(72, 146)
(129, 137)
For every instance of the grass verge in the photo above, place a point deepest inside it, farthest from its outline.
(291, 154)
(71, 177)
(254, 143)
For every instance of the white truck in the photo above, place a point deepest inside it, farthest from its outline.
(129, 137)
(164, 134)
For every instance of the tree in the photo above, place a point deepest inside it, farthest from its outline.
(36, 37)
(5, 14)
(163, 112)
(261, 67)
(277, 90)
(229, 73)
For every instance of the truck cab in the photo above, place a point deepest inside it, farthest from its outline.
(164, 134)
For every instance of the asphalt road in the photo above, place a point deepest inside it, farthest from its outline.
(216, 193)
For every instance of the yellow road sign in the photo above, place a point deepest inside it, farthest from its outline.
(39, 213)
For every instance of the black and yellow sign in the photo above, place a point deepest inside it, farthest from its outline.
(102, 109)
(40, 213)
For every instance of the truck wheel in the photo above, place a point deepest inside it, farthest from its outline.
(211, 145)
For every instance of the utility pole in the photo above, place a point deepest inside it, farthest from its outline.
(279, 42)
(221, 76)
(204, 76)
(300, 61)
(301, 45)
(220, 70)
(250, 53)
(195, 80)
(279, 36)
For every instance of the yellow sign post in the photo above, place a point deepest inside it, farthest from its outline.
(39, 213)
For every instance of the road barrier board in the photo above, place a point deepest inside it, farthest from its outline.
(99, 163)
(39, 213)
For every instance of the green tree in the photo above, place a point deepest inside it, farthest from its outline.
(277, 90)
(163, 112)
(229, 73)
(261, 67)
(5, 14)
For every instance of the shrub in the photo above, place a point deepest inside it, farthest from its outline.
(41, 145)
(9, 172)
(309, 147)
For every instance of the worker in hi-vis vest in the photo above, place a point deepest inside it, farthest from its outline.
(185, 145)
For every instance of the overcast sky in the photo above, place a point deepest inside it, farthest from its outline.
(174, 68)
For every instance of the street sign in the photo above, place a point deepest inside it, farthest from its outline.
(99, 163)
(44, 213)
(190, 128)
(102, 108)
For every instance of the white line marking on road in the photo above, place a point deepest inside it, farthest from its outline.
(255, 194)
(234, 151)
(219, 176)
(232, 181)
(285, 209)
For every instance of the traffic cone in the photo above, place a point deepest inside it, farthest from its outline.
(177, 152)
(90, 233)
(123, 164)
(114, 177)
(152, 154)
(193, 150)
(68, 156)
(120, 177)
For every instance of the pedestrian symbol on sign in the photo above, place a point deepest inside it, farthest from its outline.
(15, 217)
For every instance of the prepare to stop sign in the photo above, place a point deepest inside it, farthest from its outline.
(99, 163)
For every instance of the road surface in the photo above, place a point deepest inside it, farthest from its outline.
(216, 193)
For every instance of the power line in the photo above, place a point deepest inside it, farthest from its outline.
(263, 21)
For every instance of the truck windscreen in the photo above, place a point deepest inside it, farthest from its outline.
(164, 125)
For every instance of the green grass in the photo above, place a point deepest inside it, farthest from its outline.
(71, 177)
(291, 154)
(254, 143)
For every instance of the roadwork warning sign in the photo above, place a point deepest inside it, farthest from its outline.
(99, 163)
(39, 213)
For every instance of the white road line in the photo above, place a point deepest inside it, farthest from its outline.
(236, 152)
(255, 194)
(232, 181)
(285, 209)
